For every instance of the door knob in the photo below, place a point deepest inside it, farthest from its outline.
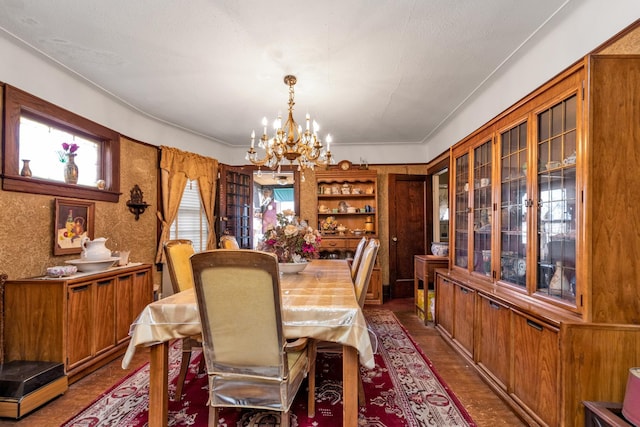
(394, 239)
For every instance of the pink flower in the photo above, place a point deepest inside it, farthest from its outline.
(70, 148)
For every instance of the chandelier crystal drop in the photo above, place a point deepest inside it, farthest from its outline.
(289, 142)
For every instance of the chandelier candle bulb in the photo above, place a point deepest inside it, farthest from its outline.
(253, 137)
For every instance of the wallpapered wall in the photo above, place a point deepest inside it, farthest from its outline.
(26, 230)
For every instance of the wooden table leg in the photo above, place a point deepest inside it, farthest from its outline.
(349, 386)
(159, 385)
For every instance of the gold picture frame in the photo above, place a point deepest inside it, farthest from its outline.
(74, 219)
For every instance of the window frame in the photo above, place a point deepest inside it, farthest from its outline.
(17, 103)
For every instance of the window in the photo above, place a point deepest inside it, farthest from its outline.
(191, 221)
(35, 129)
(40, 143)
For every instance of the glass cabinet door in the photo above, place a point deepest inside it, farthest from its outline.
(482, 209)
(556, 184)
(513, 202)
(461, 231)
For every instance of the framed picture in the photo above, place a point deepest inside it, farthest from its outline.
(73, 221)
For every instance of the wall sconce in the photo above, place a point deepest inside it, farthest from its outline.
(136, 204)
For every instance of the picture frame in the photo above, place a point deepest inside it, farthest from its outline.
(74, 220)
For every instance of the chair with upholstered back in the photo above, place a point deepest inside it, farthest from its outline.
(357, 257)
(177, 253)
(248, 363)
(229, 242)
(365, 269)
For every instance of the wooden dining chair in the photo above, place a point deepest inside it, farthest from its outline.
(361, 285)
(229, 242)
(357, 257)
(365, 269)
(249, 362)
(177, 253)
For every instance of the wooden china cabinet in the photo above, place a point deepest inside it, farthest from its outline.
(543, 295)
(348, 196)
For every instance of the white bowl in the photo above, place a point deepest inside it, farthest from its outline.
(292, 267)
(61, 270)
(93, 265)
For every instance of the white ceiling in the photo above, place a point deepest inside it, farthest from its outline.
(368, 71)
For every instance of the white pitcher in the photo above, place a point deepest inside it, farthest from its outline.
(94, 250)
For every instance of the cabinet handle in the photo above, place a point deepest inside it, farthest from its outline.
(494, 305)
(464, 290)
(104, 283)
(80, 288)
(534, 325)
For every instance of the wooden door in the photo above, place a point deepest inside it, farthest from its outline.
(408, 197)
(444, 305)
(236, 204)
(80, 323)
(535, 367)
(124, 301)
(494, 346)
(464, 301)
(104, 315)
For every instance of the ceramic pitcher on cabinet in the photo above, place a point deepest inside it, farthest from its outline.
(94, 250)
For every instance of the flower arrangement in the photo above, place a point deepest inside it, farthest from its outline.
(291, 240)
(66, 150)
(329, 224)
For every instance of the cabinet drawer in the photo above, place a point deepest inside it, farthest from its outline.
(333, 243)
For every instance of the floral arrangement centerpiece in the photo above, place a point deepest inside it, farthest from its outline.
(67, 156)
(291, 240)
(67, 149)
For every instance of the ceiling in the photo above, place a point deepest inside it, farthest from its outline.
(368, 71)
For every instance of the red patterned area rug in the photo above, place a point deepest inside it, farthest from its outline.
(402, 390)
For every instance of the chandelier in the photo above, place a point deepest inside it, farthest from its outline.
(289, 142)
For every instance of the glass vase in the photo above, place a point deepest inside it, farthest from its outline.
(26, 170)
(71, 170)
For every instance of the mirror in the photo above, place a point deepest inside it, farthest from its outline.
(273, 193)
(440, 186)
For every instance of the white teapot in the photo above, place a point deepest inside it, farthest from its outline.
(94, 250)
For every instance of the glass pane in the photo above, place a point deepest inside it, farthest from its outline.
(482, 209)
(513, 197)
(191, 222)
(461, 211)
(41, 146)
(556, 269)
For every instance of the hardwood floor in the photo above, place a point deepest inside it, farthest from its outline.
(483, 405)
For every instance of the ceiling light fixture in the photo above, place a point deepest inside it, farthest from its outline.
(290, 142)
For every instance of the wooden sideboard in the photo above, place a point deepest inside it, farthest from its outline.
(423, 282)
(82, 321)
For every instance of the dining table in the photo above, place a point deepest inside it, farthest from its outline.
(318, 303)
